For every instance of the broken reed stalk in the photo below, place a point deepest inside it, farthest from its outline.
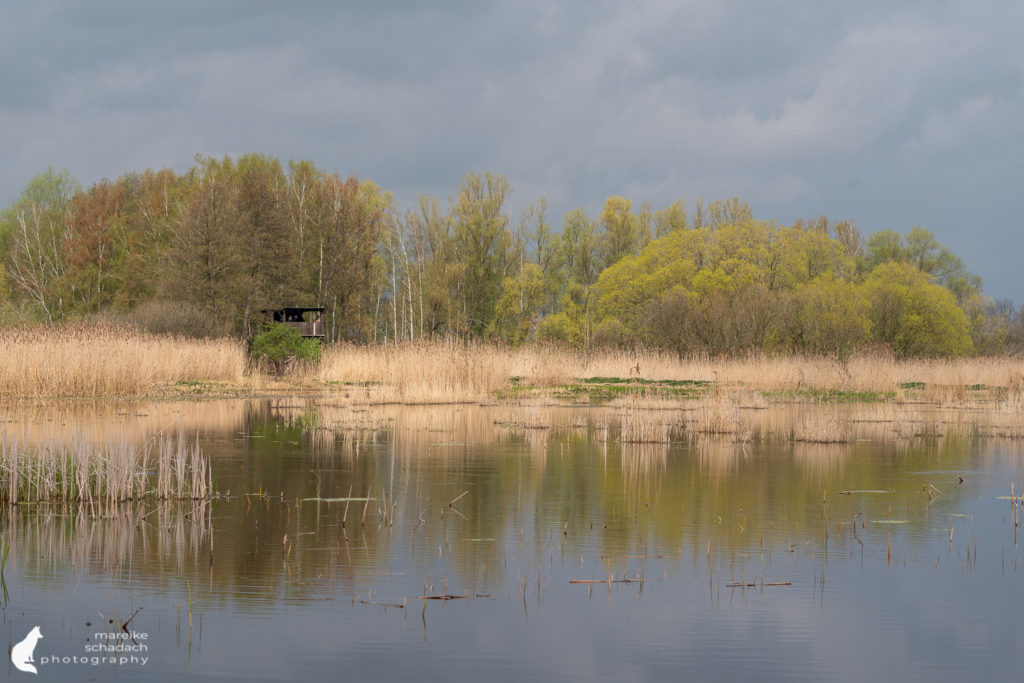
(755, 584)
(344, 518)
(80, 472)
(366, 505)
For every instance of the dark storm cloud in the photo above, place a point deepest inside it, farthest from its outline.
(892, 114)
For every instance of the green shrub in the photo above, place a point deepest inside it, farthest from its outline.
(281, 345)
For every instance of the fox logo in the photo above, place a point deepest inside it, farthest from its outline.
(21, 653)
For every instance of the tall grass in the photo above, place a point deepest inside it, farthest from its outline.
(118, 472)
(103, 360)
(109, 361)
(436, 372)
(446, 371)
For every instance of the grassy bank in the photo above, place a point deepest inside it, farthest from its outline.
(98, 361)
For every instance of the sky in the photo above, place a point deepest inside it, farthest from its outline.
(892, 114)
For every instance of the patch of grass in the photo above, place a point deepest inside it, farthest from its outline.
(640, 380)
(595, 392)
(515, 391)
(831, 395)
(684, 382)
(605, 380)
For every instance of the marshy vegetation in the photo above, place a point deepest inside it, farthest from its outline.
(105, 474)
(110, 362)
(106, 361)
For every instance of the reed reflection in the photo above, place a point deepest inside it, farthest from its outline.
(329, 500)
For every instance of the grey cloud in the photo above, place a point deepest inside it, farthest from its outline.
(894, 115)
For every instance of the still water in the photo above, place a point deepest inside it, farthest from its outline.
(710, 559)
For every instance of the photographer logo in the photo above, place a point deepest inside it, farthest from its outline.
(22, 652)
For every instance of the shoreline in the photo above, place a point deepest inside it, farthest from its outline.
(95, 363)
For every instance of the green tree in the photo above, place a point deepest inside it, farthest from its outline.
(673, 217)
(519, 305)
(544, 249)
(281, 346)
(913, 315)
(882, 247)
(721, 212)
(267, 258)
(571, 325)
(644, 225)
(152, 206)
(481, 244)
(436, 268)
(990, 322)
(205, 252)
(620, 230)
(920, 248)
(338, 224)
(830, 316)
(669, 321)
(579, 249)
(808, 254)
(35, 227)
(5, 288)
(924, 251)
(94, 247)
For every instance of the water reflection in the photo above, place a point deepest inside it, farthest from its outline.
(133, 542)
(327, 505)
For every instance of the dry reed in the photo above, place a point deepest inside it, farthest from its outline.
(119, 472)
(447, 371)
(639, 426)
(102, 360)
(822, 426)
(718, 415)
(438, 372)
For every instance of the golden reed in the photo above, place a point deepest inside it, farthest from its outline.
(447, 371)
(108, 361)
(116, 472)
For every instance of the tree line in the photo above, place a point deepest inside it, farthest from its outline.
(202, 252)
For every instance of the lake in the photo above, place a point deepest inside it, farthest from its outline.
(463, 542)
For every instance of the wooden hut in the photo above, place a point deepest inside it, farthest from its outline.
(308, 319)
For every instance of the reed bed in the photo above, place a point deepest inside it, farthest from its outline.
(104, 360)
(448, 371)
(110, 361)
(81, 472)
(639, 426)
(718, 415)
(438, 372)
(822, 426)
